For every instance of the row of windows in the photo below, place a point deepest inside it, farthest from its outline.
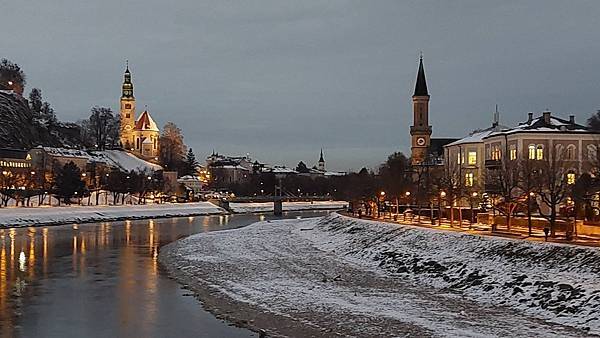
(12, 164)
(536, 152)
(470, 179)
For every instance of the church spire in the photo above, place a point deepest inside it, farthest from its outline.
(127, 88)
(421, 86)
(321, 158)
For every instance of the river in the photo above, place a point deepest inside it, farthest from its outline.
(104, 280)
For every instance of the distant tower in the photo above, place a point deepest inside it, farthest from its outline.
(321, 164)
(420, 130)
(127, 111)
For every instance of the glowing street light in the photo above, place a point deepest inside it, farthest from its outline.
(443, 194)
(407, 193)
(382, 193)
(475, 194)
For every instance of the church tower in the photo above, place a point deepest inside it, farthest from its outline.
(420, 130)
(127, 111)
(321, 163)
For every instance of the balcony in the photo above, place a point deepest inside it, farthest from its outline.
(492, 164)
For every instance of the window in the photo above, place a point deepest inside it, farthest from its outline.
(531, 151)
(513, 153)
(127, 105)
(469, 179)
(458, 158)
(592, 152)
(560, 152)
(539, 154)
(472, 158)
(571, 178)
(496, 153)
(570, 154)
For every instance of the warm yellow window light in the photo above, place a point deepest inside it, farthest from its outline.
(472, 158)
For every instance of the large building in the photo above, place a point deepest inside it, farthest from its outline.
(424, 149)
(141, 135)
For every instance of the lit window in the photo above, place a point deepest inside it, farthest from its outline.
(496, 154)
(531, 152)
(513, 153)
(539, 152)
(570, 178)
(458, 158)
(469, 179)
(472, 157)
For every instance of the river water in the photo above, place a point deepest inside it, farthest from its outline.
(103, 280)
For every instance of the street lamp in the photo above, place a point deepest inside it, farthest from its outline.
(442, 195)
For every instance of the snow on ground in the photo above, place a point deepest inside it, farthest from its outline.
(338, 276)
(239, 207)
(15, 217)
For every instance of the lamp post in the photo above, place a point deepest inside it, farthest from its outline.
(442, 195)
(529, 227)
(380, 204)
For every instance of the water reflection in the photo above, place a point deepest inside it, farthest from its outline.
(103, 280)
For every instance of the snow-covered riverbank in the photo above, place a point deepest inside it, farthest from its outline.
(16, 217)
(338, 276)
(287, 206)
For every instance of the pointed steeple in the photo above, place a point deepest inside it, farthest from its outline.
(321, 163)
(127, 88)
(421, 86)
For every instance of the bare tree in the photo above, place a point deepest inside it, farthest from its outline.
(503, 184)
(553, 186)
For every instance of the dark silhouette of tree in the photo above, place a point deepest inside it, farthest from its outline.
(190, 164)
(68, 182)
(594, 121)
(11, 76)
(302, 168)
(101, 130)
(35, 101)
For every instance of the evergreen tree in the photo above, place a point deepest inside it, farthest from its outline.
(68, 182)
(11, 76)
(35, 101)
(190, 165)
(302, 168)
(594, 121)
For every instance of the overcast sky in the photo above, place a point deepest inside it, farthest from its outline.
(281, 79)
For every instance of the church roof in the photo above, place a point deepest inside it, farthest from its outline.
(145, 122)
(421, 86)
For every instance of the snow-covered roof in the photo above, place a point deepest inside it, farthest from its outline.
(476, 136)
(334, 173)
(145, 122)
(147, 140)
(129, 162)
(545, 123)
(279, 169)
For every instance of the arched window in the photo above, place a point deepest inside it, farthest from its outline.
(531, 149)
(559, 152)
(570, 154)
(539, 154)
(592, 152)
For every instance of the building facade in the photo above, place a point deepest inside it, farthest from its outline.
(139, 136)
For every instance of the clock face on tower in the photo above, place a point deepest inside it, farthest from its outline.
(421, 141)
